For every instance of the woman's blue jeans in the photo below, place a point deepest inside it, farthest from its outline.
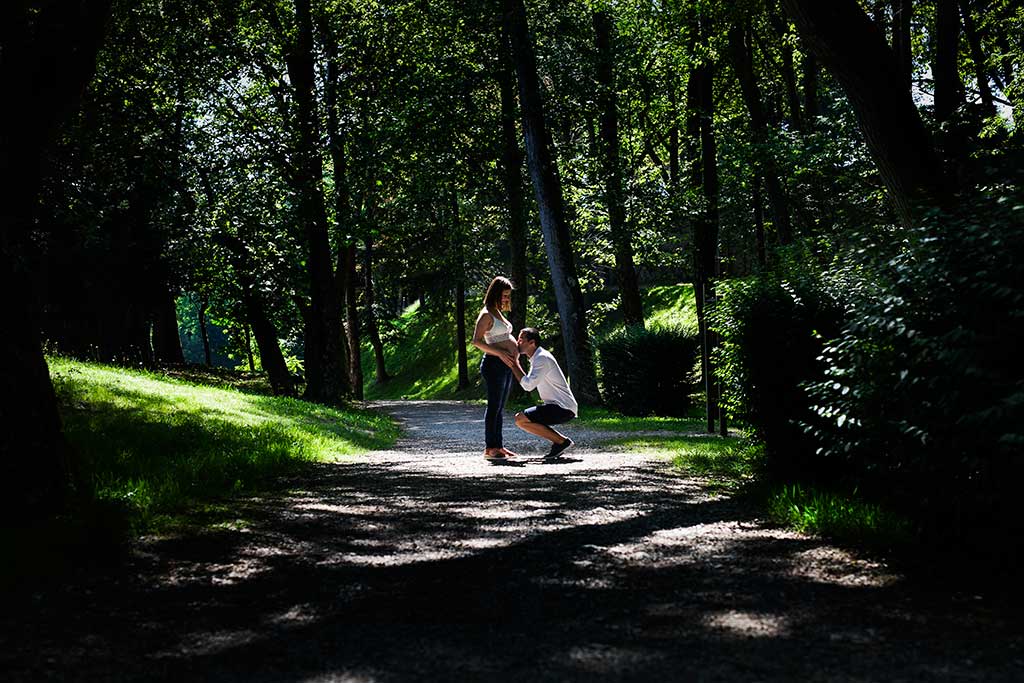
(498, 378)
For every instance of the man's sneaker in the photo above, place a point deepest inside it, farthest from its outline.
(558, 448)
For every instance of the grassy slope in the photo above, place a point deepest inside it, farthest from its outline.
(420, 356)
(148, 444)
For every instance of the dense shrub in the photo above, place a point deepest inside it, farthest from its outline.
(771, 330)
(923, 391)
(648, 372)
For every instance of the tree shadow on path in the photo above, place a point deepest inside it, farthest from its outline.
(397, 568)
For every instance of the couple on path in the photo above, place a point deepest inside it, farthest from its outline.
(493, 336)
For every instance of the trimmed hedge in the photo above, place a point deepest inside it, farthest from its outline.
(648, 372)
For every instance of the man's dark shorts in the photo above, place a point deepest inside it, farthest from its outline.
(548, 414)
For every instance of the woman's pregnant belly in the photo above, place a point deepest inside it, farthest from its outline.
(508, 345)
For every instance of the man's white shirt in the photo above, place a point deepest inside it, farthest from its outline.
(546, 377)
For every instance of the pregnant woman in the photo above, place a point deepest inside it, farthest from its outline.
(493, 336)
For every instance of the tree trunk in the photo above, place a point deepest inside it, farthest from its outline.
(352, 327)
(810, 82)
(267, 344)
(607, 104)
(47, 56)
(844, 38)
(345, 242)
(949, 90)
(788, 71)
(700, 129)
(166, 342)
(247, 331)
(762, 249)
(512, 162)
(743, 63)
(548, 190)
(902, 13)
(371, 317)
(327, 372)
(203, 332)
(978, 58)
(460, 295)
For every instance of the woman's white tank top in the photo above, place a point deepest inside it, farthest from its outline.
(499, 332)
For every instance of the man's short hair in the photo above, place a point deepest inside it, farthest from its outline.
(531, 334)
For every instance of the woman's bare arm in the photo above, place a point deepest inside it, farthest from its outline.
(484, 323)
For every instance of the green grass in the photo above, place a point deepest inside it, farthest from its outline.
(728, 463)
(841, 517)
(420, 356)
(670, 306)
(602, 418)
(150, 446)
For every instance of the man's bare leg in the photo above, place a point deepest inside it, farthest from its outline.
(544, 431)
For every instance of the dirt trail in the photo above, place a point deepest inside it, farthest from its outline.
(428, 563)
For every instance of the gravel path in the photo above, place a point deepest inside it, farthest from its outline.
(428, 563)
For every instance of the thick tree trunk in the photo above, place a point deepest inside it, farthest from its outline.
(166, 342)
(846, 41)
(743, 63)
(512, 163)
(267, 344)
(327, 372)
(371, 317)
(902, 13)
(949, 90)
(548, 189)
(47, 55)
(607, 104)
(810, 82)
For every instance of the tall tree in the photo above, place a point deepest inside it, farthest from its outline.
(701, 105)
(949, 90)
(327, 372)
(47, 55)
(548, 190)
(742, 51)
(902, 13)
(850, 45)
(607, 104)
(512, 169)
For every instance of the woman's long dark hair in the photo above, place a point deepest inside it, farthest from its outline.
(492, 300)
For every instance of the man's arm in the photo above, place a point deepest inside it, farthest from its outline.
(530, 380)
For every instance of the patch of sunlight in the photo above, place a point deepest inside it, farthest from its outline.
(341, 677)
(601, 658)
(339, 509)
(498, 513)
(481, 543)
(748, 624)
(296, 615)
(213, 642)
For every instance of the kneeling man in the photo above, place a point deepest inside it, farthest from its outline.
(546, 377)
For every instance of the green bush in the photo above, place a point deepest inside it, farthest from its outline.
(923, 393)
(772, 329)
(648, 372)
